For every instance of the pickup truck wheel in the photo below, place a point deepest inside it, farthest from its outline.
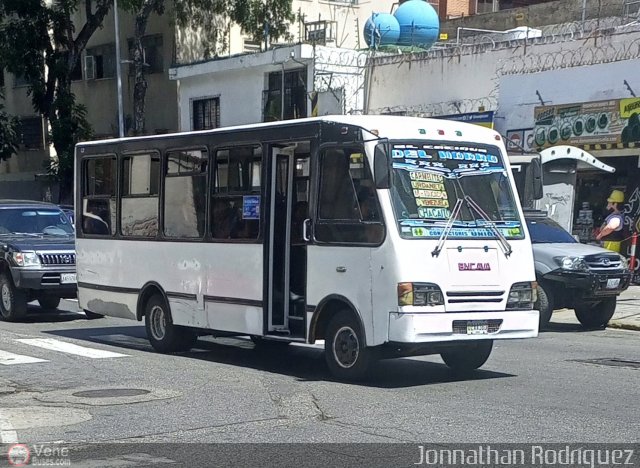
(164, 336)
(468, 357)
(49, 302)
(596, 314)
(13, 302)
(544, 304)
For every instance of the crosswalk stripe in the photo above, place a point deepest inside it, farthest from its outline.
(7, 359)
(69, 348)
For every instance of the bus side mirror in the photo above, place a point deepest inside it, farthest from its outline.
(536, 179)
(381, 169)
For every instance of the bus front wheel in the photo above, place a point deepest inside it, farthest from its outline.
(164, 336)
(468, 357)
(345, 352)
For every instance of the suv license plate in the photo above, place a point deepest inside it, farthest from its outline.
(477, 327)
(66, 278)
(613, 283)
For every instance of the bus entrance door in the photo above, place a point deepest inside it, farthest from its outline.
(279, 229)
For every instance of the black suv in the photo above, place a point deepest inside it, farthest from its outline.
(38, 259)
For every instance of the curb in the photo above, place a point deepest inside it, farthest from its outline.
(624, 326)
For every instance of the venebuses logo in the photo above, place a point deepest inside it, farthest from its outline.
(18, 455)
(474, 267)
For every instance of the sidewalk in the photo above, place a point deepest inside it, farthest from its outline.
(627, 314)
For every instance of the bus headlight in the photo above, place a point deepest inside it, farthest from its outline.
(522, 295)
(419, 294)
(26, 259)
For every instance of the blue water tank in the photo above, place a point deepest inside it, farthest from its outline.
(381, 29)
(419, 23)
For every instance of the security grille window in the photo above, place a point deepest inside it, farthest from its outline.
(153, 51)
(104, 61)
(348, 207)
(185, 193)
(31, 132)
(295, 96)
(99, 196)
(206, 113)
(235, 200)
(140, 201)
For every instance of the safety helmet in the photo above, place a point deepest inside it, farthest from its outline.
(617, 196)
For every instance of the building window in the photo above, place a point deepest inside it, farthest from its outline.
(153, 52)
(185, 193)
(99, 196)
(140, 201)
(295, 96)
(235, 198)
(100, 62)
(206, 113)
(31, 132)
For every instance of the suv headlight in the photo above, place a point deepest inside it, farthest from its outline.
(419, 294)
(522, 295)
(26, 259)
(572, 263)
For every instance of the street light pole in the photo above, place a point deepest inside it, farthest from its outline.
(118, 70)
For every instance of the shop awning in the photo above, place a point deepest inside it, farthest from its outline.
(585, 159)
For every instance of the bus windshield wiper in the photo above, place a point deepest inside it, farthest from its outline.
(447, 228)
(504, 243)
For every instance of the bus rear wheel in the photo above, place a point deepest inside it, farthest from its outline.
(164, 336)
(468, 357)
(344, 348)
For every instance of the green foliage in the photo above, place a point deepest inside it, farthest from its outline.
(41, 44)
(9, 138)
(254, 16)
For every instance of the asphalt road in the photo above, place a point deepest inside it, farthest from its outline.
(566, 386)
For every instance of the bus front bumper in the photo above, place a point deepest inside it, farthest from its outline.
(455, 326)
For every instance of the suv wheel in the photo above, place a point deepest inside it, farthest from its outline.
(544, 304)
(13, 302)
(596, 314)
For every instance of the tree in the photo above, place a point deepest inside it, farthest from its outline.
(255, 17)
(42, 44)
(9, 138)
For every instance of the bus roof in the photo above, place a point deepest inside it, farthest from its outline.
(390, 126)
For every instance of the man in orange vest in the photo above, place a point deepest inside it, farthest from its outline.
(611, 231)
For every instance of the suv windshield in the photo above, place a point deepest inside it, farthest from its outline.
(34, 221)
(547, 231)
(428, 179)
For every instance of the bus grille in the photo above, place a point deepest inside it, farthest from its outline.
(457, 297)
(62, 258)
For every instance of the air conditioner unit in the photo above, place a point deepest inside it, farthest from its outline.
(89, 67)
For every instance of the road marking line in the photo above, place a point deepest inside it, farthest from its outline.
(8, 359)
(70, 348)
(7, 434)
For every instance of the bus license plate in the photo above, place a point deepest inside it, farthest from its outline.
(613, 283)
(66, 278)
(477, 327)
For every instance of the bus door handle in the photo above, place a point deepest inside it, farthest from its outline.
(341, 269)
(306, 228)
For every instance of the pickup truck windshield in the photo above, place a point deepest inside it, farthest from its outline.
(429, 178)
(28, 221)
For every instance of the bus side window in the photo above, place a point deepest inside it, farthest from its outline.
(348, 207)
(98, 196)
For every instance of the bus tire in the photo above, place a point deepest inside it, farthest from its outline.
(597, 314)
(92, 315)
(164, 336)
(344, 348)
(468, 357)
(544, 305)
(13, 301)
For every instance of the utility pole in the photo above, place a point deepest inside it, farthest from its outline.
(118, 70)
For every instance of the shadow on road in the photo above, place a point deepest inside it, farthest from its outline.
(36, 314)
(566, 327)
(303, 362)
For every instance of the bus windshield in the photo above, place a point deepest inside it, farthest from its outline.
(428, 179)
